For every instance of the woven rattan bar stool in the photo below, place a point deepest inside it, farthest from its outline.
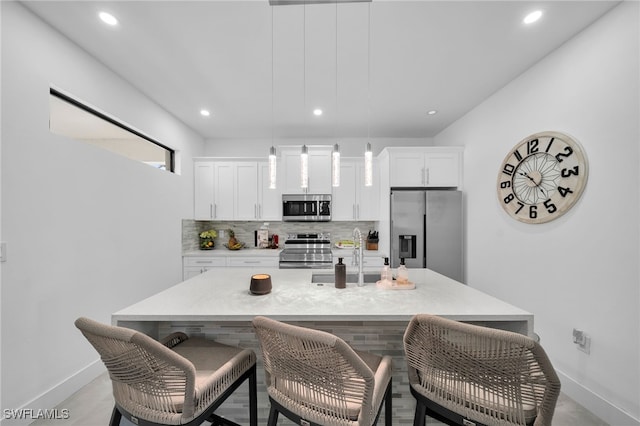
(315, 378)
(463, 374)
(178, 381)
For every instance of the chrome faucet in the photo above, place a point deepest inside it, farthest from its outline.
(357, 237)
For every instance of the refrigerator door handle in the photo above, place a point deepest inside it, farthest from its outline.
(424, 240)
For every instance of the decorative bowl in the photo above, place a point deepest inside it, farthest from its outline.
(238, 247)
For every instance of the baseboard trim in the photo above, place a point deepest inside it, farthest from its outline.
(602, 408)
(58, 393)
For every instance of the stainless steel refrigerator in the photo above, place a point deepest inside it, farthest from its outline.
(426, 230)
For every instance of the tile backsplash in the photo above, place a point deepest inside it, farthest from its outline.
(244, 231)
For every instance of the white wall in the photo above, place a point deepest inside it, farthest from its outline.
(580, 270)
(89, 232)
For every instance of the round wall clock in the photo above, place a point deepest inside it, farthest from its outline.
(542, 177)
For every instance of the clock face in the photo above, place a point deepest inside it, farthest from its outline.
(542, 177)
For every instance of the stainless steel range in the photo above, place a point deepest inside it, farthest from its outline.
(307, 251)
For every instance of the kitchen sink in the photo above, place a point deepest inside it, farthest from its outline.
(351, 278)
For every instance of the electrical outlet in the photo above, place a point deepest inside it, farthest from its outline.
(221, 233)
(582, 340)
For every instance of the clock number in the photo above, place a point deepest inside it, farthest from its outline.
(532, 146)
(551, 208)
(508, 198)
(567, 152)
(564, 191)
(568, 172)
(508, 169)
(549, 145)
(533, 211)
(505, 184)
(519, 208)
(517, 155)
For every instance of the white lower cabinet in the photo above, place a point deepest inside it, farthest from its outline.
(196, 265)
(192, 266)
(267, 262)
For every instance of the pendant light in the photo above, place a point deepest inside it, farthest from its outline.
(368, 155)
(368, 166)
(335, 166)
(304, 167)
(335, 155)
(272, 151)
(273, 161)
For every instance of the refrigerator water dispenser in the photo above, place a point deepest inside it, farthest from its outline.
(407, 247)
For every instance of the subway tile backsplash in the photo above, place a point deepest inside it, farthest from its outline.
(245, 230)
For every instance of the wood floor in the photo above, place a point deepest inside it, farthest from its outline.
(92, 405)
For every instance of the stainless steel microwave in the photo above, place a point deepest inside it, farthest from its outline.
(306, 207)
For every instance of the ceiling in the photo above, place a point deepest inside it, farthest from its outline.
(261, 70)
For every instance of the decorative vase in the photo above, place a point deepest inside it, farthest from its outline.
(206, 243)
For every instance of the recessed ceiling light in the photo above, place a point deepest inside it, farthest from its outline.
(432, 112)
(204, 113)
(532, 17)
(317, 112)
(108, 18)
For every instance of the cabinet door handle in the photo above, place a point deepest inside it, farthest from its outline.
(251, 261)
(427, 175)
(211, 211)
(357, 211)
(255, 211)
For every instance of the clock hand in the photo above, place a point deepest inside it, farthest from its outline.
(534, 182)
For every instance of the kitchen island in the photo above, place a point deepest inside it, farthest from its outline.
(218, 305)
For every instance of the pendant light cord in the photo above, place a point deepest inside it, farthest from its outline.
(272, 79)
(336, 121)
(369, 72)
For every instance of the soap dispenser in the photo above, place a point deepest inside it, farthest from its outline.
(403, 273)
(385, 274)
(341, 274)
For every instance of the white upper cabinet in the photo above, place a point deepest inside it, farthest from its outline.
(203, 190)
(246, 190)
(223, 190)
(425, 167)
(234, 190)
(352, 200)
(269, 200)
(319, 170)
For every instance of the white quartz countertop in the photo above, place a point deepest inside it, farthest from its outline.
(222, 294)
